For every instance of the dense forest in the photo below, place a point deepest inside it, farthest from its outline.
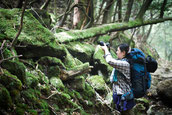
(51, 62)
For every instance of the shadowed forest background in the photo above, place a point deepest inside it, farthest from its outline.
(51, 63)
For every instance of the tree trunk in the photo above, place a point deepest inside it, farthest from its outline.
(100, 11)
(116, 8)
(162, 9)
(89, 17)
(120, 10)
(143, 9)
(128, 12)
(62, 20)
(76, 15)
(108, 11)
(75, 35)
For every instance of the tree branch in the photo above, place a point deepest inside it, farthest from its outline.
(75, 35)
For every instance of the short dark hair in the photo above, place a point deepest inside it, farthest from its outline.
(124, 47)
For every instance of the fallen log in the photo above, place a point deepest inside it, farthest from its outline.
(76, 71)
(75, 35)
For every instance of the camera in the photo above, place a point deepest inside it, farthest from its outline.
(102, 43)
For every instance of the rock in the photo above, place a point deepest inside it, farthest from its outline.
(16, 68)
(158, 110)
(82, 51)
(37, 40)
(5, 98)
(97, 83)
(100, 63)
(31, 80)
(78, 83)
(12, 83)
(56, 82)
(164, 90)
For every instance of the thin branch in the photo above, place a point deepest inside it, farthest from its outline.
(21, 25)
(45, 5)
(9, 58)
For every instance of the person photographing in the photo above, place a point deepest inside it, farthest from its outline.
(120, 77)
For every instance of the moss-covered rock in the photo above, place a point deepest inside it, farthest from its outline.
(32, 96)
(31, 80)
(89, 92)
(100, 63)
(16, 68)
(51, 61)
(12, 83)
(38, 40)
(70, 61)
(5, 98)
(82, 51)
(98, 83)
(78, 83)
(56, 82)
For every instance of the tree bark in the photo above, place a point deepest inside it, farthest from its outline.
(107, 13)
(62, 20)
(143, 9)
(88, 19)
(76, 15)
(75, 35)
(100, 11)
(120, 10)
(162, 9)
(128, 12)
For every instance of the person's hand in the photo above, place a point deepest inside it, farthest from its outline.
(104, 48)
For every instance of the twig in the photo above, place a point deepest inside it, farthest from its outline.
(2, 48)
(10, 58)
(52, 109)
(21, 25)
(56, 92)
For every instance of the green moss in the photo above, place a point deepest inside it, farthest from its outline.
(99, 60)
(31, 80)
(56, 82)
(69, 60)
(97, 82)
(11, 82)
(17, 68)
(88, 92)
(19, 111)
(53, 71)
(5, 98)
(32, 112)
(32, 96)
(104, 38)
(56, 107)
(134, 23)
(42, 104)
(47, 60)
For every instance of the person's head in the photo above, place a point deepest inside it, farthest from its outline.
(122, 50)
